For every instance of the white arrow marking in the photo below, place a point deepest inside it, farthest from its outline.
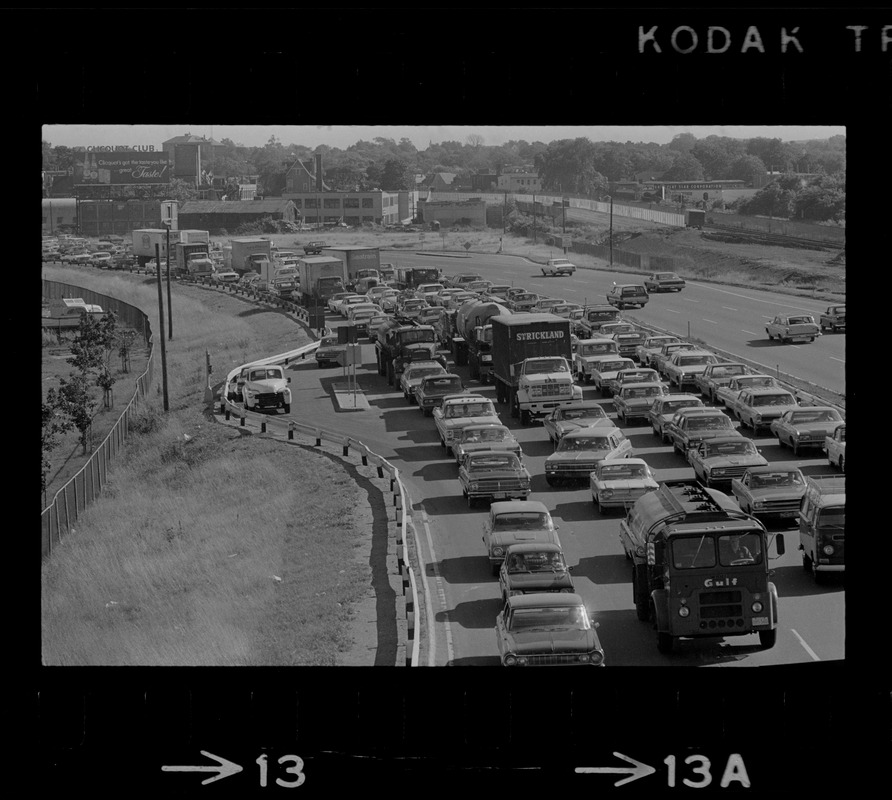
(638, 770)
(225, 768)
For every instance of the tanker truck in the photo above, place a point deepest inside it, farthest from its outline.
(472, 339)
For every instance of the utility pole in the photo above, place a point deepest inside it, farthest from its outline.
(534, 219)
(161, 326)
(169, 308)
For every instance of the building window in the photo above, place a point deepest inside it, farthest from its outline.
(332, 202)
(298, 203)
(351, 202)
(311, 202)
(368, 202)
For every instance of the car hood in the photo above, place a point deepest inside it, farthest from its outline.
(506, 538)
(539, 581)
(269, 385)
(718, 462)
(701, 435)
(555, 640)
(635, 402)
(819, 428)
(777, 493)
(581, 455)
(461, 422)
(628, 484)
(542, 378)
(475, 447)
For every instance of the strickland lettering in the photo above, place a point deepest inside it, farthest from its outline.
(538, 335)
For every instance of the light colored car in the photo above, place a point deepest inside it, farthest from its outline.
(617, 483)
(266, 386)
(410, 307)
(534, 567)
(354, 300)
(429, 394)
(248, 278)
(566, 310)
(588, 352)
(497, 291)
(479, 288)
(558, 266)
(522, 301)
(603, 371)
(334, 302)
(579, 452)
(493, 475)
(389, 299)
(690, 426)
(663, 409)
(618, 326)
(329, 351)
(224, 276)
(581, 414)
(514, 522)
(441, 297)
(375, 323)
(633, 401)
(804, 427)
(770, 492)
(374, 294)
(458, 299)
(651, 346)
(716, 375)
(758, 407)
(682, 369)
(546, 629)
(486, 436)
(102, 260)
(79, 258)
(457, 413)
(716, 462)
(428, 291)
(414, 373)
(429, 315)
(793, 328)
(835, 447)
(625, 377)
(658, 359)
(727, 395)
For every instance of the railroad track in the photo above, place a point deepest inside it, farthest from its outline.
(775, 238)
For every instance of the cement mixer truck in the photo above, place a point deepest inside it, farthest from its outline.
(472, 340)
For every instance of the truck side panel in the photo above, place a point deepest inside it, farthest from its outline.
(520, 336)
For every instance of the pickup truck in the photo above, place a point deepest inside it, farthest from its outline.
(266, 386)
(314, 248)
(558, 266)
(833, 319)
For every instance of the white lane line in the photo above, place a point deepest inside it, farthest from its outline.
(807, 648)
(751, 333)
(711, 321)
(441, 595)
(730, 308)
(673, 311)
(840, 360)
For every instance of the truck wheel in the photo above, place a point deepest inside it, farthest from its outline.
(515, 407)
(665, 642)
(806, 562)
(287, 407)
(390, 375)
(842, 464)
(767, 639)
(524, 417)
(496, 568)
(471, 501)
(550, 480)
(427, 411)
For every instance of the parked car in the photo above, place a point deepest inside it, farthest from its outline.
(663, 409)
(803, 427)
(627, 294)
(770, 492)
(617, 483)
(534, 567)
(516, 522)
(487, 436)
(716, 462)
(835, 447)
(793, 328)
(547, 629)
(558, 266)
(415, 373)
(716, 375)
(579, 452)
(664, 282)
(727, 395)
(759, 407)
(633, 401)
(493, 475)
(581, 414)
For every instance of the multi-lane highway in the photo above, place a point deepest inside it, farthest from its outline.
(463, 593)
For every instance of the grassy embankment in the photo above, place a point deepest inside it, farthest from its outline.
(205, 552)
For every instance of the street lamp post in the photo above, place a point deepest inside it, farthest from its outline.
(610, 198)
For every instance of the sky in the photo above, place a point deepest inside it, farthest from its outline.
(342, 136)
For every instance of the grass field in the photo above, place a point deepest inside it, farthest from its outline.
(177, 562)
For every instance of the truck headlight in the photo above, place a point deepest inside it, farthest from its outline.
(759, 503)
(474, 487)
(487, 357)
(757, 607)
(828, 549)
(717, 471)
(510, 660)
(498, 552)
(607, 493)
(684, 611)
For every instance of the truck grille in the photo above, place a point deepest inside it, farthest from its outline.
(776, 506)
(497, 485)
(550, 390)
(721, 604)
(576, 467)
(268, 398)
(554, 659)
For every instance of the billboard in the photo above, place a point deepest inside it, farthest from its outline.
(122, 168)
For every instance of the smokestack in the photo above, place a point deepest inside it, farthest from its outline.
(318, 172)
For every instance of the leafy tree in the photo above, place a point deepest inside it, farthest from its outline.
(822, 200)
(75, 402)
(773, 200)
(747, 168)
(684, 168)
(716, 154)
(52, 425)
(395, 175)
(569, 165)
(682, 142)
(181, 190)
(773, 152)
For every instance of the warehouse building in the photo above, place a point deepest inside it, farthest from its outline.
(210, 215)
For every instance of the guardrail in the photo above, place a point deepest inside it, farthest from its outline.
(401, 497)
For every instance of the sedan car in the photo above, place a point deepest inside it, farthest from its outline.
(620, 482)
(388, 300)
(806, 427)
(718, 461)
(664, 282)
(793, 328)
(759, 407)
(633, 375)
(547, 630)
(558, 266)
(534, 567)
(771, 492)
(458, 299)
(430, 392)
(633, 401)
(603, 371)
(415, 373)
(663, 409)
(523, 301)
(329, 351)
(101, 260)
(727, 395)
(457, 413)
(442, 297)
(835, 447)
(493, 475)
(581, 414)
(353, 300)
(579, 452)
(717, 375)
(516, 522)
(334, 302)
(487, 436)
(629, 294)
(546, 305)
(651, 346)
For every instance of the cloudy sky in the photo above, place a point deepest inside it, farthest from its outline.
(342, 136)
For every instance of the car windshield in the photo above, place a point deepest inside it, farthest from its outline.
(694, 552)
(578, 443)
(264, 374)
(725, 372)
(665, 276)
(477, 435)
(611, 366)
(416, 373)
(832, 517)
(541, 365)
(536, 561)
(672, 406)
(758, 380)
(799, 417)
(417, 336)
(521, 521)
(444, 385)
(742, 448)
(800, 320)
(659, 341)
(637, 377)
(773, 400)
(470, 410)
(740, 549)
(490, 462)
(594, 316)
(766, 480)
(598, 349)
(690, 361)
(526, 296)
(711, 423)
(618, 472)
(557, 617)
(584, 413)
(632, 392)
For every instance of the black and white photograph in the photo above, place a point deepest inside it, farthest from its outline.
(337, 401)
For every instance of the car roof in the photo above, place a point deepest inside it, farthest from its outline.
(699, 410)
(534, 547)
(644, 385)
(595, 340)
(736, 437)
(540, 599)
(479, 426)
(619, 461)
(774, 467)
(666, 397)
(760, 390)
(424, 363)
(513, 506)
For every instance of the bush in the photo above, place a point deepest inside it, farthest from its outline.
(145, 419)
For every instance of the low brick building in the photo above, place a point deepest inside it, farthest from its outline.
(209, 215)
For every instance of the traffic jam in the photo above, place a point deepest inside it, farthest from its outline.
(532, 400)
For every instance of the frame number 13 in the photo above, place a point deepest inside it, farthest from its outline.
(295, 768)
